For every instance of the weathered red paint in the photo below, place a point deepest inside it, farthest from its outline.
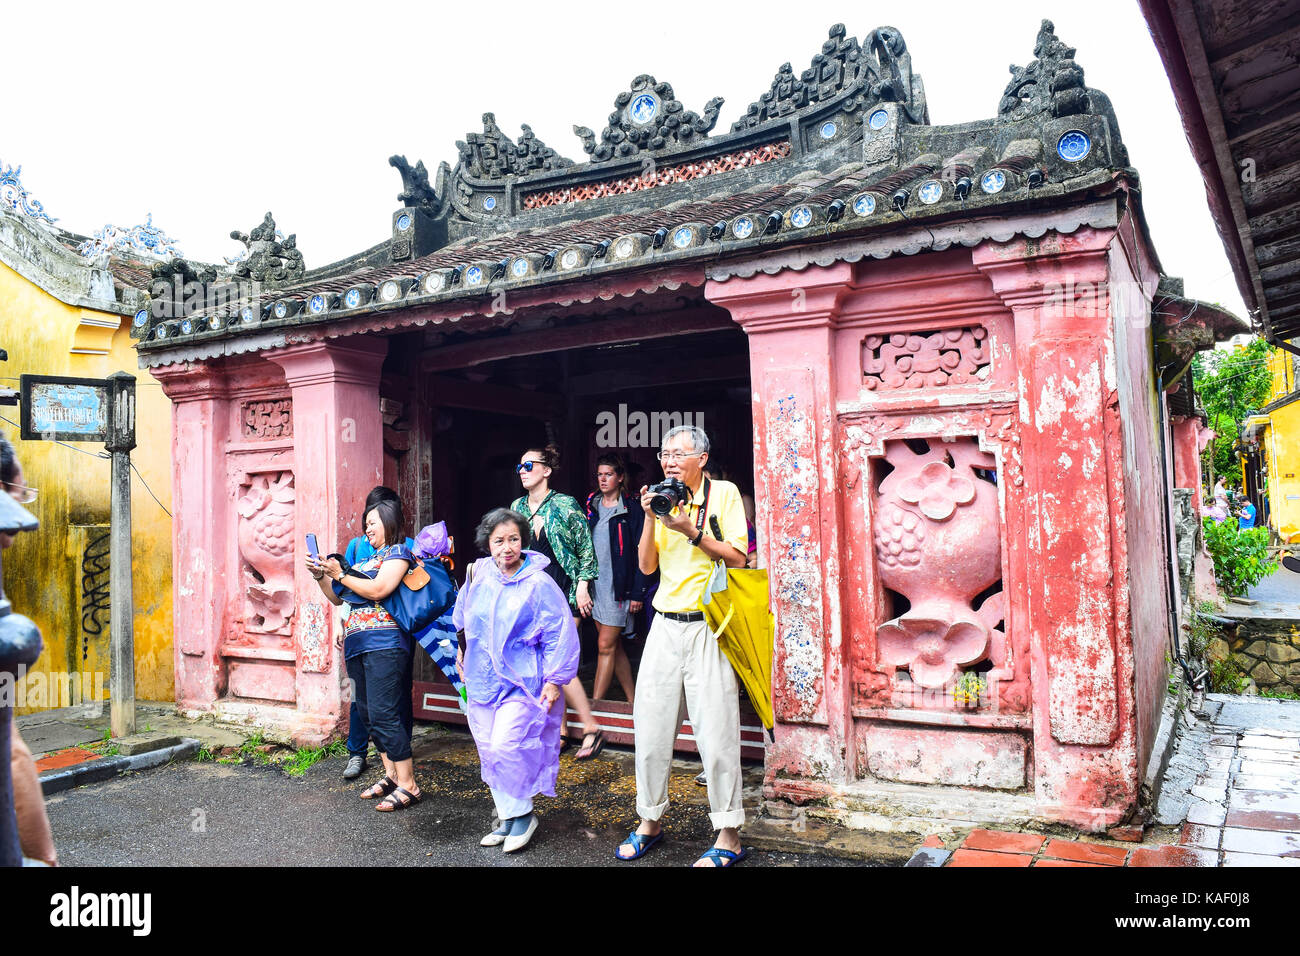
(1066, 410)
(287, 678)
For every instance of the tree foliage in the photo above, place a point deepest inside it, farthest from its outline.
(1240, 555)
(1231, 385)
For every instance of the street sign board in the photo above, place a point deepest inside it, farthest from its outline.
(56, 408)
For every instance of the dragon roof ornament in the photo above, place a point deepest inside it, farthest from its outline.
(492, 154)
(879, 70)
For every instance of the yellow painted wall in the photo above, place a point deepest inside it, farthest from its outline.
(43, 571)
(1282, 442)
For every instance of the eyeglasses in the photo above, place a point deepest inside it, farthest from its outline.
(24, 495)
(677, 455)
(526, 466)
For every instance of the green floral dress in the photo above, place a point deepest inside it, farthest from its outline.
(569, 536)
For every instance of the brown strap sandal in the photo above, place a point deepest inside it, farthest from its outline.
(392, 802)
(382, 789)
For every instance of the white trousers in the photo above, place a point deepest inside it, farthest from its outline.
(682, 663)
(509, 807)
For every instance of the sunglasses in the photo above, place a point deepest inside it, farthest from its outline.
(526, 466)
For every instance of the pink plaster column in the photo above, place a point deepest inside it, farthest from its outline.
(1085, 759)
(338, 458)
(789, 318)
(1187, 453)
(201, 528)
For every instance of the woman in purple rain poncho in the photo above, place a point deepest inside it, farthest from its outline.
(520, 648)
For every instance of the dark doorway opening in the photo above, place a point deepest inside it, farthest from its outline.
(612, 397)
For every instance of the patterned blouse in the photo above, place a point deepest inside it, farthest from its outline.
(569, 536)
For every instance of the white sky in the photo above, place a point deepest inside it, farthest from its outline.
(208, 115)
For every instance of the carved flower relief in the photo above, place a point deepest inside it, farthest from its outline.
(937, 490)
(932, 650)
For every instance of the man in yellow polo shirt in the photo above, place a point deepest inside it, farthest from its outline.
(682, 658)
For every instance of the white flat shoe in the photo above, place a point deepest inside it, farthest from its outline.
(514, 843)
(497, 836)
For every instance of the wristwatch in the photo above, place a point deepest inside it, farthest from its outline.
(695, 542)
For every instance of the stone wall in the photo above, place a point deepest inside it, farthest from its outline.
(1269, 649)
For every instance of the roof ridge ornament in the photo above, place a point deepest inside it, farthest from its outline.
(146, 239)
(1051, 83)
(15, 195)
(880, 69)
(648, 117)
(492, 154)
(270, 258)
(416, 190)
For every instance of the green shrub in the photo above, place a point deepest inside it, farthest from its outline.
(1227, 676)
(1240, 555)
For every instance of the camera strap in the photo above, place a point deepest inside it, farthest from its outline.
(704, 508)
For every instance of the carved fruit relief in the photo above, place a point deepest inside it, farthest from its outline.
(266, 543)
(937, 543)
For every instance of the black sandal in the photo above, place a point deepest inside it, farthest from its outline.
(594, 748)
(391, 803)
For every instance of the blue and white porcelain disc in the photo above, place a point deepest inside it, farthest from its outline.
(878, 119)
(643, 108)
(993, 181)
(742, 227)
(403, 222)
(519, 268)
(864, 204)
(930, 192)
(682, 238)
(1074, 146)
(801, 217)
(828, 130)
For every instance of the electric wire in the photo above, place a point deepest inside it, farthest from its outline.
(103, 455)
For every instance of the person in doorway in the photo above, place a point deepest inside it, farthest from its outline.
(357, 552)
(35, 838)
(682, 657)
(377, 652)
(521, 647)
(560, 533)
(615, 521)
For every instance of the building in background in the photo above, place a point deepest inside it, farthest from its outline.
(1270, 442)
(66, 313)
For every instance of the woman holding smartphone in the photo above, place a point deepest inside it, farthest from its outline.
(377, 651)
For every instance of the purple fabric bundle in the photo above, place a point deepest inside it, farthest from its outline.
(432, 541)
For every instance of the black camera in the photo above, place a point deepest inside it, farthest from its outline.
(667, 495)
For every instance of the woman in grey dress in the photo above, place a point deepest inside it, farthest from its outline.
(620, 587)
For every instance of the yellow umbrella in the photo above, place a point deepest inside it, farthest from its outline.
(737, 612)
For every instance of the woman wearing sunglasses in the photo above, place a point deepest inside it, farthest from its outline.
(561, 533)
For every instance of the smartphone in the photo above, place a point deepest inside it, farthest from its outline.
(312, 549)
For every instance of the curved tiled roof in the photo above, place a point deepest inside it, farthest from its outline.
(845, 150)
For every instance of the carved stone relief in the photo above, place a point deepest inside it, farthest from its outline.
(266, 544)
(938, 545)
(958, 356)
(264, 420)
